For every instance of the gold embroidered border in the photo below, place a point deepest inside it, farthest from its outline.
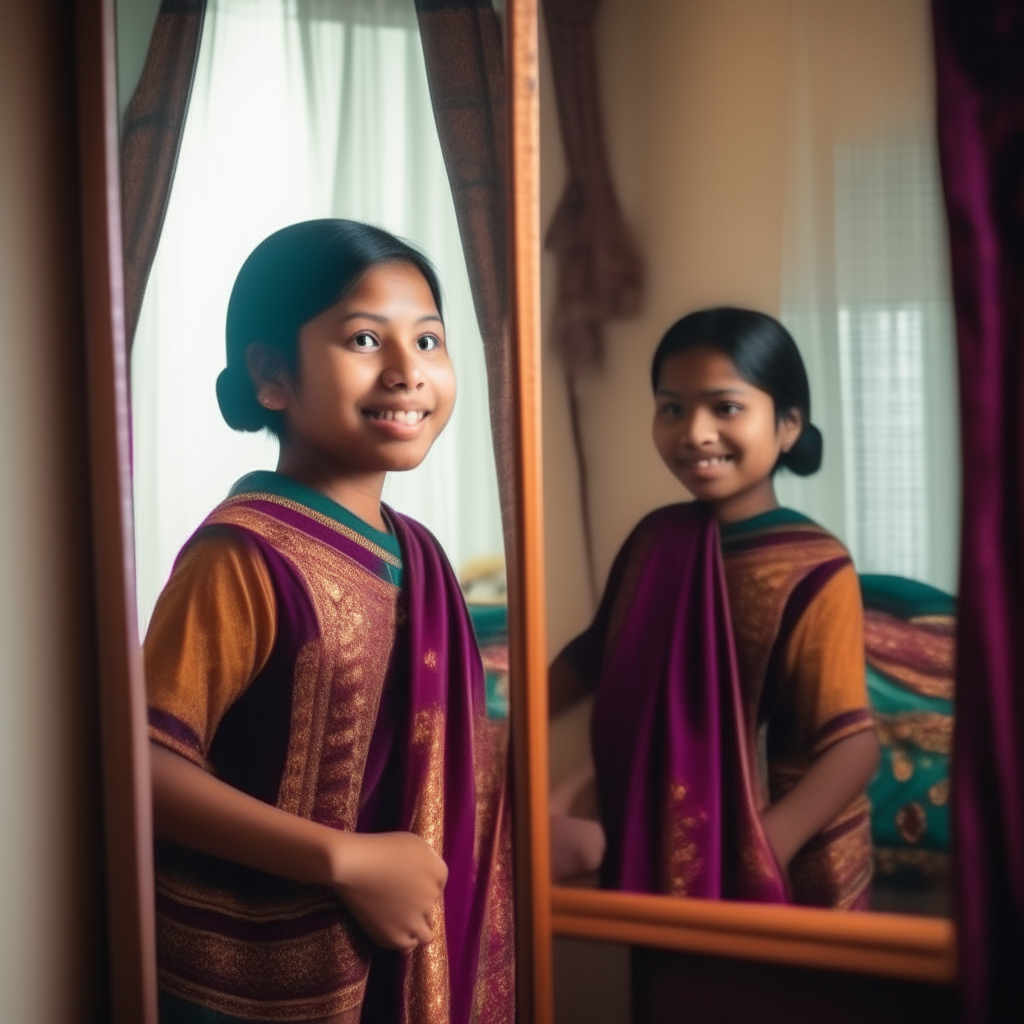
(319, 517)
(930, 864)
(927, 730)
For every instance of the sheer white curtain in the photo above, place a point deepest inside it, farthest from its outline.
(300, 110)
(865, 286)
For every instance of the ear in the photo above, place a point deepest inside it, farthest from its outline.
(791, 424)
(268, 376)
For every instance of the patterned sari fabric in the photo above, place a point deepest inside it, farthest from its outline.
(724, 665)
(675, 785)
(910, 636)
(797, 616)
(302, 660)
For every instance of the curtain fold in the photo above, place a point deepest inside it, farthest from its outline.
(600, 274)
(465, 61)
(150, 140)
(980, 94)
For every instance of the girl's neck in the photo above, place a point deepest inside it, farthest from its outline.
(358, 492)
(751, 502)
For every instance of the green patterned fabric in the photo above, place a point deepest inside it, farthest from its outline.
(490, 624)
(909, 635)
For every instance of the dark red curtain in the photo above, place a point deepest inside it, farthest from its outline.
(150, 140)
(979, 47)
(465, 60)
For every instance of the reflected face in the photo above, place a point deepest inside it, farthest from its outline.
(375, 382)
(717, 433)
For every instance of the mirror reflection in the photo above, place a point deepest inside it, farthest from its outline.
(752, 695)
(314, 507)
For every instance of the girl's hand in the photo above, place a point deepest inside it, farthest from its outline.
(838, 776)
(783, 837)
(573, 790)
(577, 847)
(390, 882)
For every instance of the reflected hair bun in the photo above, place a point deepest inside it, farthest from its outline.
(804, 458)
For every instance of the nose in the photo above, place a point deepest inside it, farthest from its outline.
(699, 429)
(402, 372)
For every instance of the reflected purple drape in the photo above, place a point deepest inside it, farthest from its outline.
(979, 47)
(669, 732)
(150, 140)
(465, 61)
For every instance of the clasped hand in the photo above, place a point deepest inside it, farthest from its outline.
(391, 883)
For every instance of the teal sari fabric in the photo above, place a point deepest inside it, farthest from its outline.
(909, 630)
(490, 624)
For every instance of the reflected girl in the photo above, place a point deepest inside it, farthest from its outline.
(732, 736)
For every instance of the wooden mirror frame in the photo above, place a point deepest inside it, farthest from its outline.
(893, 945)
(126, 773)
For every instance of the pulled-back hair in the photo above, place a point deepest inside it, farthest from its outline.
(765, 355)
(290, 278)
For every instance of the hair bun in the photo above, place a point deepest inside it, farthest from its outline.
(238, 403)
(804, 458)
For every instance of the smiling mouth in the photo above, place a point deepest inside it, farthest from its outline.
(708, 463)
(408, 416)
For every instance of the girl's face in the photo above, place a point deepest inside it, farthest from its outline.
(717, 433)
(375, 384)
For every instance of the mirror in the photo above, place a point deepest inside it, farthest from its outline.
(779, 157)
(321, 109)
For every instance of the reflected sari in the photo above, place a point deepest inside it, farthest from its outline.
(696, 724)
(367, 714)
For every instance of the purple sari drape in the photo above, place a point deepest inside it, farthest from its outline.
(453, 789)
(979, 48)
(675, 783)
(369, 715)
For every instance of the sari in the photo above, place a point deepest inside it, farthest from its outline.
(710, 704)
(363, 710)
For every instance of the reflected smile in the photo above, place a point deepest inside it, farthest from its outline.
(706, 462)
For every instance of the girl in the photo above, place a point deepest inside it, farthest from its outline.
(316, 700)
(732, 736)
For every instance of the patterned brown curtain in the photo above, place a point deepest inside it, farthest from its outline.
(465, 60)
(600, 274)
(150, 140)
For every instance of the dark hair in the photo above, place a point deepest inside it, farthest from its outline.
(765, 355)
(289, 278)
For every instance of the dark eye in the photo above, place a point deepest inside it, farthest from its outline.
(729, 408)
(364, 341)
(428, 342)
(670, 410)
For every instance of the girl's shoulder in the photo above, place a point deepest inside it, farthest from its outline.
(785, 532)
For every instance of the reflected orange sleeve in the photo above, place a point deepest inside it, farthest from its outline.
(824, 667)
(212, 631)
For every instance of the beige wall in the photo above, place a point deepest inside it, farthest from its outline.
(695, 96)
(52, 935)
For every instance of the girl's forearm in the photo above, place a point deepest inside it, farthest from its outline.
(195, 809)
(831, 784)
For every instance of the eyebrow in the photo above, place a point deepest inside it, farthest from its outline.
(377, 318)
(710, 393)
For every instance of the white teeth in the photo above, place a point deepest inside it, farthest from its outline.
(717, 460)
(401, 415)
